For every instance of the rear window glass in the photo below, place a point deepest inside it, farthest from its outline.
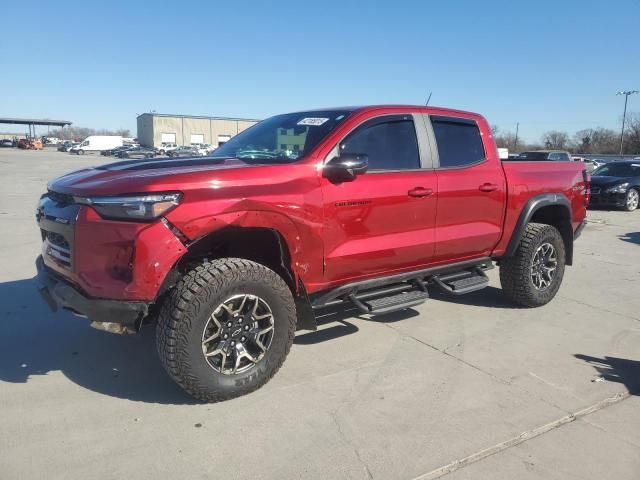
(459, 142)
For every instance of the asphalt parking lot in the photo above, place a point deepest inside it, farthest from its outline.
(466, 387)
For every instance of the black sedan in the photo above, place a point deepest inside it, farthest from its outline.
(137, 152)
(616, 184)
(66, 146)
(115, 151)
(184, 152)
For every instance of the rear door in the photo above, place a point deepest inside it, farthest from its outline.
(384, 220)
(471, 189)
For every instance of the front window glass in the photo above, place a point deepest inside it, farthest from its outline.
(283, 138)
(618, 170)
(390, 145)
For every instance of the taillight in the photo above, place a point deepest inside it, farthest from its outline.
(587, 187)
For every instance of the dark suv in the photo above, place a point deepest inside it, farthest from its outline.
(545, 155)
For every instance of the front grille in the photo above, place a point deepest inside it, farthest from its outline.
(58, 240)
(56, 216)
(58, 249)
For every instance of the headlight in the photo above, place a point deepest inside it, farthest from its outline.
(132, 207)
(622, 188)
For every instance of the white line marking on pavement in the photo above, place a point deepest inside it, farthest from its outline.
(523, 437)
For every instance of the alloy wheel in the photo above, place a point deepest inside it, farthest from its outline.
(238, 334)
(543, 266)
(632, 199)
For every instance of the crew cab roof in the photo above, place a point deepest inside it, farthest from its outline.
(423, 108)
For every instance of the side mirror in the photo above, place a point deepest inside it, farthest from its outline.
(346, 167)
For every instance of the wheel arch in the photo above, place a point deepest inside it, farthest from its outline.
(265, 245)
(550, 209)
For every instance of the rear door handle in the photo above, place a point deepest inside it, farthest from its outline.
(488, 187)
(420, 192)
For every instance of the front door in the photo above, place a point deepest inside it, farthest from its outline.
(383, 221)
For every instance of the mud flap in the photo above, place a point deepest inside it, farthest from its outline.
(306, 317)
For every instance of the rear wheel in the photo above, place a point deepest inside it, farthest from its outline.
(80, 152)
(226, 328)
(632, 200)
(533, 275)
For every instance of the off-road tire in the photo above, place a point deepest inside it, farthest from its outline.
(630, 205)
(515, 272)
(188, 307)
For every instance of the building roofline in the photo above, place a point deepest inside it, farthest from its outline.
(202, 117)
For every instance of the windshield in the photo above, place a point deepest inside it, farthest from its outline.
(283, 138)
(618, 170)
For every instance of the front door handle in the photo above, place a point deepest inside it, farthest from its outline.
(488, 187)
(420, 192)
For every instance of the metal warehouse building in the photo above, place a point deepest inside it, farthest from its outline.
(157, 128)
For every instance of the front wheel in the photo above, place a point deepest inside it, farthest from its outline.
(226, 328)
(532, 277)
(81, 152)
(632, 200)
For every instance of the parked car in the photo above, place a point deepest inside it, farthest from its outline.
(136, 152)
(545, 155)
(6, 143)
(184, 152)
(207, 148)
(66, 146)
(591, 164)
(202, 149)
(114, 151)
(616, 184)
(165, 148)
(230, 254)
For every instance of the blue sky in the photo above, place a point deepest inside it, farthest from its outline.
(547, 64)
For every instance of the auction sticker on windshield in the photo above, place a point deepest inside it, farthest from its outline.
(312, 121)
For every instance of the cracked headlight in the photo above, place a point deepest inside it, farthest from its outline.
(132, 207)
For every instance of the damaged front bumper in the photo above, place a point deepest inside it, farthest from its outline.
(115, 316)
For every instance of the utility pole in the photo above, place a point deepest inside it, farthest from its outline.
(515, 143)
(626, 94)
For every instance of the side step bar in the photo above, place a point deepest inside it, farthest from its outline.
(390, 303)
(462, 282)
(397, 292)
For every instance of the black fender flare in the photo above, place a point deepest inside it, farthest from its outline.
(531, 207)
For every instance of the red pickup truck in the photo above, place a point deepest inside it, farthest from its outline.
(368, 206)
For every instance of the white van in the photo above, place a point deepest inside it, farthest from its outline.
(97, 143)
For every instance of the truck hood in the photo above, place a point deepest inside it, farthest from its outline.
(140, 176)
